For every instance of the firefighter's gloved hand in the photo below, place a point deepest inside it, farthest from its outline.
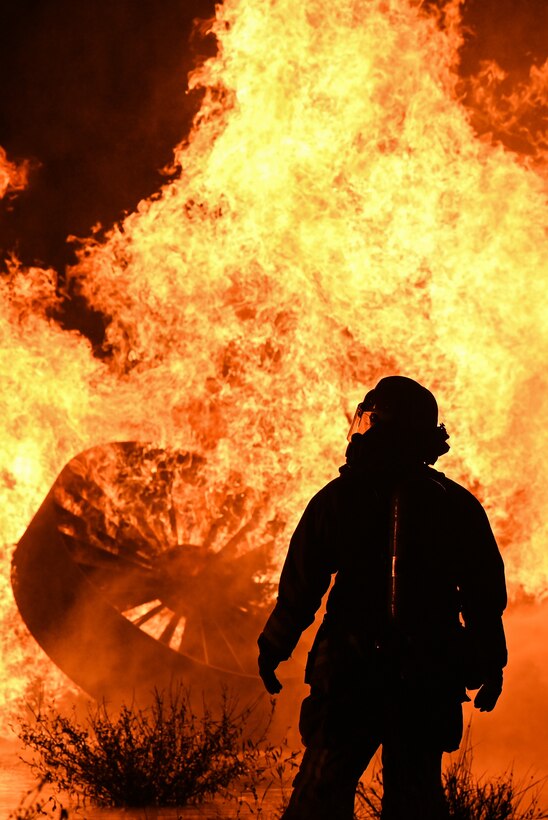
(489, 693)
(268, 663)
(266, 671)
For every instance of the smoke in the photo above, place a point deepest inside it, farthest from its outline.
(512, 737)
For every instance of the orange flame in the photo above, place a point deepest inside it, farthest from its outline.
(514, 113)
(13, 177)
(335, 219)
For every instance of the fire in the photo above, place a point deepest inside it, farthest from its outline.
(336, 218)
(13, 177)
(515, 113)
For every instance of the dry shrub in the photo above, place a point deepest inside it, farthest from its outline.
(496, 798)
(163, 755)
(33, 806)
(468, 797)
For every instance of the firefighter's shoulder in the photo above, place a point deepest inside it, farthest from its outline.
(460, 497)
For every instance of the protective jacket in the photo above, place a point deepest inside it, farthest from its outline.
(418, 578)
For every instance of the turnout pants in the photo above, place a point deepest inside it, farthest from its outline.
(342, 726)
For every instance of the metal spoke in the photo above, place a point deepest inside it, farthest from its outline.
(229, 645)
(204, 642)
(150, 614)
(169, 631)
(97, 557)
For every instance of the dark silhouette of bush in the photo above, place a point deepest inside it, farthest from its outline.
(35, 807)
(163, 755)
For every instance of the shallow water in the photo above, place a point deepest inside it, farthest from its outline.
(16, 782)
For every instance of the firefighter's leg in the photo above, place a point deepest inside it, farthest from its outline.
(340, 732)
(413, 744)
(325, 787)
(412, 782)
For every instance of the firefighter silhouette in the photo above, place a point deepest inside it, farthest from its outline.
(413, 619)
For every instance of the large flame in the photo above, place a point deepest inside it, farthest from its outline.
(336, 219)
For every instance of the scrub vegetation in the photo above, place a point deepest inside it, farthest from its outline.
(35, 807)
(166, 755)
(162, 755)
(469, 798)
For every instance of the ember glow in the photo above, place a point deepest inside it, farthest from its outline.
(336, 218)
(13, 177)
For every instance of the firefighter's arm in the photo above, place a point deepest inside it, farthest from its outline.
(483, 600)
(305, 578)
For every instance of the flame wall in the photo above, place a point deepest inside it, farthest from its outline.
(336, 219)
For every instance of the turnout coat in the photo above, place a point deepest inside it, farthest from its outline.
(416, 603)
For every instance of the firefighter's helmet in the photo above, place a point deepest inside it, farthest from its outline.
(406, 405)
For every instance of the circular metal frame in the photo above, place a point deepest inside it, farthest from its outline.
(136, 571)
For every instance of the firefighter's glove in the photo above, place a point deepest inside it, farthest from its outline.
(489, 693)
(268, 663)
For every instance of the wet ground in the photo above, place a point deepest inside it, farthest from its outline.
(17, 782)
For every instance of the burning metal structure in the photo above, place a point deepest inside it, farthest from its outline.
(126, 587)
(336, 217)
